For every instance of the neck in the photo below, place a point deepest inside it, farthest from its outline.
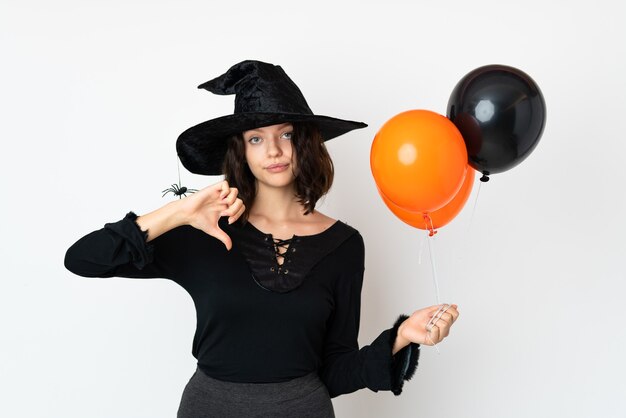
(276, 204)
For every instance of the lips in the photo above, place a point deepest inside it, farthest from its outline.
(276, 168)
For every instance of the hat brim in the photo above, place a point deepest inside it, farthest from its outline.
(201, 148)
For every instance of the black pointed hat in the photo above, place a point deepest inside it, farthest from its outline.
(264, 95)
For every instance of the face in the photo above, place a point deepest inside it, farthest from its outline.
(270, 154)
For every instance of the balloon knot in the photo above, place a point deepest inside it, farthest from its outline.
(429, 225)
(484, 178)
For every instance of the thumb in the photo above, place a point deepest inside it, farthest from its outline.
(223, 236)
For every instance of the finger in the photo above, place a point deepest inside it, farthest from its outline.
(440, 312)
(435, 317)
(442, 323)
(218, 207)
(430, 309)
(430, 323)
(434, 321)
(436, 309)
(444, 328)
(448, 318)
(433, 314)
(232, 196)
(454, 313)
(443, 332)
(224, 189)
(236, 216)
(235, 211)
(434, 334)
(233, 208)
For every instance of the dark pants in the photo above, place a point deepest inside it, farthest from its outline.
(303, 397)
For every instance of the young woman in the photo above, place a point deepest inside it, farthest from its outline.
(276, 284)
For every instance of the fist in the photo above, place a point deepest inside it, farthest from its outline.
(205, 207)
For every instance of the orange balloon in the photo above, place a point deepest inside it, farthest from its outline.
(441, 216)
(419, 160)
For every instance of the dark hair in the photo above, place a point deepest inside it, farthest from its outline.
(314, 168)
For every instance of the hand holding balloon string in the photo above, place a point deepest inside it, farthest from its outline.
(433, 322)
(428, 326)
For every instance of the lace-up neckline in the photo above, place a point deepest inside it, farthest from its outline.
(281, 244)
(281, 265)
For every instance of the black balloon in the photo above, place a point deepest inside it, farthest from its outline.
(501, 114)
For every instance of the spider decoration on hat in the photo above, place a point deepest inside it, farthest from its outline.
(177, 189)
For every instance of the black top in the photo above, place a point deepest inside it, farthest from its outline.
(258, 321)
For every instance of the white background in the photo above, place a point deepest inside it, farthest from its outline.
(94, 94)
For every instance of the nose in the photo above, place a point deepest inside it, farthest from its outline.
(273, 149)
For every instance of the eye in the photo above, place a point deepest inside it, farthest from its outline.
(254, 139)
(287, 135)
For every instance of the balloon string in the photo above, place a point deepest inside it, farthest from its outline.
(480, 184)
(419, 255)
(436, 317)
(431, 247)
(432, 263)
(433, 343)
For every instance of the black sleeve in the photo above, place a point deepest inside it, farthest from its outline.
(120, 250)
(347, 368)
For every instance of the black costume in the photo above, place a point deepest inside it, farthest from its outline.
(258, 321)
